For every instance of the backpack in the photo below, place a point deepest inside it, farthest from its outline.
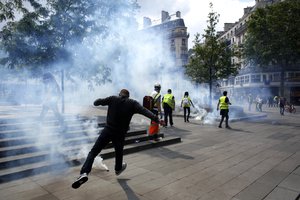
(148, 102)
(185, 102)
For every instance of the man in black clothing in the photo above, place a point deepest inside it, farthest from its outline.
(120, 111)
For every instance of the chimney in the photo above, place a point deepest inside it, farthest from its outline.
(247, 10)
(164, 16)
(228, 26)
(146, 22)
(178, 14)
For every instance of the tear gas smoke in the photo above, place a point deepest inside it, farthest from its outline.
(132, 59)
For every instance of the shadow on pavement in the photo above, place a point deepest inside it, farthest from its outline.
(129, 192)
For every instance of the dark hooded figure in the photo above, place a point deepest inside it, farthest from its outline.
(120, 111)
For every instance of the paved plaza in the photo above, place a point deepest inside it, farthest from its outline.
(258, 158)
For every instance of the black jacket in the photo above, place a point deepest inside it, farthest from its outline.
(121, 110)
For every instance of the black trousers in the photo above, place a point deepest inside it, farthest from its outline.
(168, 113)
(186, 110)
(224, 114)
(106, 135)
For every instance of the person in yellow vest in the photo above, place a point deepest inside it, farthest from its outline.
(168, 105)
(157, 106)
(223, 104)
(186, 103)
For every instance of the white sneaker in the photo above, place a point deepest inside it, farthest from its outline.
(80, 180)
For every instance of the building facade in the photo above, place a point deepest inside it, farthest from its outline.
(174, 31)
(262, 81)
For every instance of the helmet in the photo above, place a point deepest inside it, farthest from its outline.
(157, 86)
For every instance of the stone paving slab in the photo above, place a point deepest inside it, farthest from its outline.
(257, 159)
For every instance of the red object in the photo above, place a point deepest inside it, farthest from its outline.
(148, 102)
(153, 128)
(162, 122)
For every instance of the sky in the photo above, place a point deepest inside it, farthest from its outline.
(195, 12)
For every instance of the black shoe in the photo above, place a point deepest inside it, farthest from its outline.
(80, 180)
(158, 139)
(220, 126)
(124, 165)
(228, 127)
(187, 120)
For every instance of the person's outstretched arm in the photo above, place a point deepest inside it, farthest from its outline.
(102, 102)
(143, 111)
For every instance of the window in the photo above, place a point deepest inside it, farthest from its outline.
(271, 77)
(246, 79)
(183, 42)
(276, 77)
(264, 77)
(242, 79)
(237, 80)
(255, 78)
(172, 42)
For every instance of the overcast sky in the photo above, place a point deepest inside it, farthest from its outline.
(195, 12)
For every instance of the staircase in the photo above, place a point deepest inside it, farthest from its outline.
(28, 148)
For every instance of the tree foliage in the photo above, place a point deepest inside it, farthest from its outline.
(273, 36)
(210, 60)
(10, 8)
(44, 33)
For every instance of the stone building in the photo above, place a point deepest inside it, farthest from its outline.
(174, 31)
(263, 81)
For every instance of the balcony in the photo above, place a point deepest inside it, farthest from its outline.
(177, 34)
(240, 30)
(183, 48)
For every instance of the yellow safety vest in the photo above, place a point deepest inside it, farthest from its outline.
(155, 99)
(168, 99)
(186, 101)
(223, 104)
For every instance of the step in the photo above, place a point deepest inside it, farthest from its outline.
(27, 147)
(42, 153)
(43, 167)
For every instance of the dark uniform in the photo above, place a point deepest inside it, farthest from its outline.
(119, 114)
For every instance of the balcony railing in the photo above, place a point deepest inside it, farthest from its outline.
(240, 30)
(177, 34)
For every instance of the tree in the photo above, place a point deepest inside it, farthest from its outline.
(210, 60)
(43, 35)
(10, 8)
(273, 37)
(46, 34)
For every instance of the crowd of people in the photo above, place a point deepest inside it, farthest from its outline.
(258, 102)
(121, 108)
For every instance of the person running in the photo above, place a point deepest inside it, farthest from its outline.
(120, 111)
(186, 103)
(223, 104)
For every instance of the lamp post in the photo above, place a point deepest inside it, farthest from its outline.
(62, 91)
